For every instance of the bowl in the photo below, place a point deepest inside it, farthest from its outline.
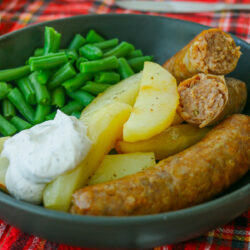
(161, 37)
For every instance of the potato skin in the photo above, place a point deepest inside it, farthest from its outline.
(183, 180)
(169, 142)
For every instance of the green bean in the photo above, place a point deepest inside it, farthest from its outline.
(39, 52)
(26, 88)
(91, 52)
(121, 50)
(41, 91)
(94, 37)
(68, 109)
(77, 42)
(41, 112)
(50, 116)
(79, 61)
(77, 82)
(58, 97)
(95, 88)
(107, 44)
(6, 128)
(14, 74)
(81, 96)
(107, 77)
(16, 97)
(99, 65)
(8, 109)
(43, 76)
(4, 89)
(19, 123)
(71, 107)
(124, 69)
(135, 53)
(64, 73)
(77, 114)
(72, 55)
(49, 61)
(57, 42)
(52, 40)
(137, 63)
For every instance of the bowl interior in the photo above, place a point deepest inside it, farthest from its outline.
(157, 36)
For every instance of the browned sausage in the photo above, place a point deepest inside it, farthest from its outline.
(212, 51)
(207, 99)
(183, 180)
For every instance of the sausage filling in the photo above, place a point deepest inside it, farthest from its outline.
(202, 100)
(215, 53)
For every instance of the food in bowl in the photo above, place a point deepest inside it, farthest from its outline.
(147, 100)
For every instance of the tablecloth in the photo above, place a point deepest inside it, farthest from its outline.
(16, 14)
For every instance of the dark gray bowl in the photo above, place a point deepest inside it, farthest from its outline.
(161, 37)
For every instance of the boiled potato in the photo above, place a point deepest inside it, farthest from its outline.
(3, 169)
(117, 166)
(125, 91)
(171, 141)
(3, 164)
(104, 128)
(2, 140)
(155, 106)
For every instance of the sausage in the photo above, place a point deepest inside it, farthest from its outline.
(212, 51)
(183, 180)
(207, 99)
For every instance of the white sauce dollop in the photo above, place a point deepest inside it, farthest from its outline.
(40, 154)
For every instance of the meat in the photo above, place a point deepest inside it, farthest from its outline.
(207, 99)
(212, 51)
(183, 180)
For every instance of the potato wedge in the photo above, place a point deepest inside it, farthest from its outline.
(155, 106)
(120, 165)
(104, 128)
(3, 164)
(171, 141)
(125, 91)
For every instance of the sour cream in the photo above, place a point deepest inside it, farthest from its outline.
(40, 154)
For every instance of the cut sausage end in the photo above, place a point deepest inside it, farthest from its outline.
(215, 52)
(202, 98)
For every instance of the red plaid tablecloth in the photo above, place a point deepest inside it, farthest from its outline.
(15, 14)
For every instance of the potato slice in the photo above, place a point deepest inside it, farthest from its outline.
(2, 140)
(125, 91)
(104, 128)
(171, 141)
(117, 166)
(155, 106)
(3, 164)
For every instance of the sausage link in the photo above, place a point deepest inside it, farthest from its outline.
(212, 51)
(207, 99)
(183, 180)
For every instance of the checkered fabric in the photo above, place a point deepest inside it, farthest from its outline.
(16, 14)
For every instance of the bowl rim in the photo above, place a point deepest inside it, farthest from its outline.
(202, 208)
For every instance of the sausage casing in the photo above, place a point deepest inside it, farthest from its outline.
(207, 99)
(185, 179)
(212, 51)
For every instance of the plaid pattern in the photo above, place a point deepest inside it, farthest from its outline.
(16, 14)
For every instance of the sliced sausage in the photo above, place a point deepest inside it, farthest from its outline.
(212, 51)
(207, 99)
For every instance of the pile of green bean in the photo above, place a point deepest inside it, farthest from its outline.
(65, 79)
